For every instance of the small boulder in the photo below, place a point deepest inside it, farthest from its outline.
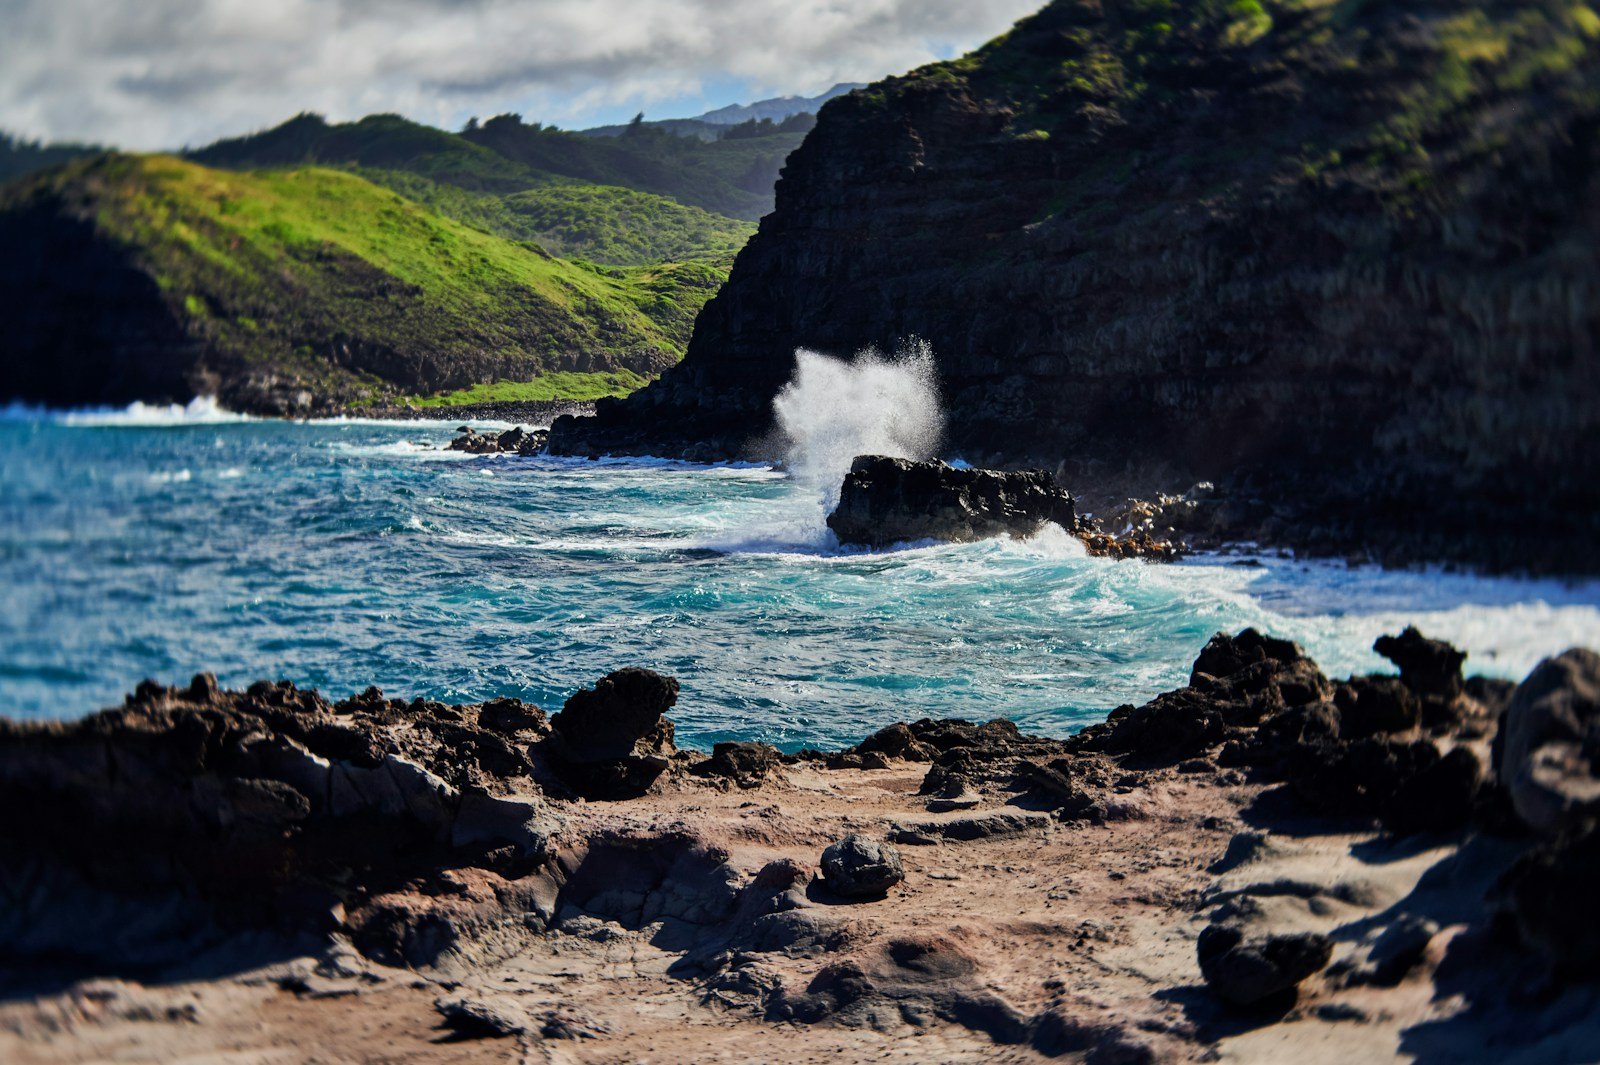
(1550, 752)
(858, 867)
(746, 764)
(1244, 969)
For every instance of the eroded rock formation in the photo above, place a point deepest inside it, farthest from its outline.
(1251, 833)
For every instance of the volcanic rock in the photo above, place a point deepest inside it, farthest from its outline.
(613, 740)
(1550, 759)
(746, 764)
(860, 868)
(514, 441)
(1428, 667)
(886, 501)
(1245, 969)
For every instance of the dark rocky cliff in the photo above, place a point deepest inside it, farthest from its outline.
(1343, 253)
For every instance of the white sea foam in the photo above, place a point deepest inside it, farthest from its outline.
(833, 410)
(202, 410)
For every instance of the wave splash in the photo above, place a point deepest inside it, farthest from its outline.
(835, 409)
(202, 410)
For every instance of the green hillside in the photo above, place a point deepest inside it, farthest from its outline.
(265, 285)
(601, 223)
(732, 176)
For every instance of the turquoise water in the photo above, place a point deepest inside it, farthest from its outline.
(156, 543)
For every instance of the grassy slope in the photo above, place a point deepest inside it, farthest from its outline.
(564, 208)
(579, 387)
(601, 223)
(729, 177)
(302, 270)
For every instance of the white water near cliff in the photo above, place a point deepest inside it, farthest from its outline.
(834, 409)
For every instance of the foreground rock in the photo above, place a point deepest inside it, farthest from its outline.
(861, 868)
(293, 875)
(1551, 748)
(885, 501)
(1246, 969)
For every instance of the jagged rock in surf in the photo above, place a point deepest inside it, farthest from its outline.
(514, 441)
(886, 501)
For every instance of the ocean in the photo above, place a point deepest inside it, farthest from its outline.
(159, 542)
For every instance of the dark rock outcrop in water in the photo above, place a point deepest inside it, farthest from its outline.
(885, 501)
(1341, 258)
(514, 441)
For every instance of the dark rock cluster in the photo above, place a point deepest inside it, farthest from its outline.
(255, 805)
(1409, 751)
(885, 501)
(514, 441)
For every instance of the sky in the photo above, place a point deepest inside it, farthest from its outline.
(161, 74)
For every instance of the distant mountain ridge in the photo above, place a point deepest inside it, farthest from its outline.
(778, 108)
(733, 177)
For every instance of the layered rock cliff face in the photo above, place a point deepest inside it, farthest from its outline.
(1338, 252)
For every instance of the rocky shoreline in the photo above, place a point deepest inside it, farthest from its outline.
(1262, 864)
(518, 413)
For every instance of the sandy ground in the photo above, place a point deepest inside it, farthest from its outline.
(1091, 926)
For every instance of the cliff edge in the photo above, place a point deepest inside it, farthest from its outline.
(1342, 254)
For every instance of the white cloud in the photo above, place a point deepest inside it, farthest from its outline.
(161, 73)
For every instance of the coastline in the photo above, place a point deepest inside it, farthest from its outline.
(449, 884)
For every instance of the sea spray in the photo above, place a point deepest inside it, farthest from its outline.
(835, 409)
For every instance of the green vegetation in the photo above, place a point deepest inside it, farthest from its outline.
(579, 387)
(731, 176)
(1078, 68)
(352, 289)
(601, 223)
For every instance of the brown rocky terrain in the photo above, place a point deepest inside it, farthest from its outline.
(1338, 259)
(1262, 866)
